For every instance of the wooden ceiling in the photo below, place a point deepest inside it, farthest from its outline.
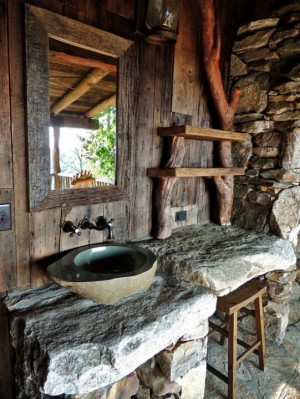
(78, 84)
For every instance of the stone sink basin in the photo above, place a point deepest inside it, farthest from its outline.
(105, 272)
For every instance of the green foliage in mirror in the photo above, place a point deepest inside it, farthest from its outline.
(99, 149)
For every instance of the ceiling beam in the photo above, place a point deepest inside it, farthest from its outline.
(108, 102)
(61, 58)
(81, 88)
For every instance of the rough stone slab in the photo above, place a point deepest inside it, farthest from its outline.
(255, 40)
(257, 127)
(286, 223)
(259, 24)
(259, 54)
(254, 97)
(79, 346)
(221, 257)
(291, 150)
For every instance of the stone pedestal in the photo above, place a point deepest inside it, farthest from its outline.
(69, 345)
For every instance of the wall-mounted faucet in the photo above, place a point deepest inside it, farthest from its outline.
(100, 224)
(69, 227)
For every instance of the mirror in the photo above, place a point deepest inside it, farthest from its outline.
(42, 28)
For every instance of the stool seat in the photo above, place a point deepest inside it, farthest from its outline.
(231, 304)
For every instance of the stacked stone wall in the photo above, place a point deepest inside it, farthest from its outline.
(266, 65)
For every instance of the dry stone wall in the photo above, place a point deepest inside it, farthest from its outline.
(265, 64)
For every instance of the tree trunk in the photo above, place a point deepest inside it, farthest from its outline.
(211, 43)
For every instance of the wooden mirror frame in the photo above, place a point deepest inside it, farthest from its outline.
(40, 25)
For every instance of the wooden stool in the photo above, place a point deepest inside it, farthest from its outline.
(230, 304)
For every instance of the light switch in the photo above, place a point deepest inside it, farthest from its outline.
(5, 217)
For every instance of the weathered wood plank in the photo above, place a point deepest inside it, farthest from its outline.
(200, 133)
(5, 128)
(78, 34)
(194, 172)
(21, 217)
(56, 56)
(8, 278)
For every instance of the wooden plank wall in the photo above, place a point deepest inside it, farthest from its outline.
(151, 96)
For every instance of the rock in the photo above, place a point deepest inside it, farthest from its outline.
(286, 224)
(241, 191)
(266, 152)
(252, 173)
(281, 175)
(221, 257)
(254, 97)
(279, 36)
(279, 293)
(259, 54)
(287, 9)
(257, 127)
(255, 40)
(123, 389)
(143, 392)
(291, 149)
(288, 87)
(259, 198)
(242, 152)
(259, 24)
(259, 67)
(279, 107)
(237, 66)
(283, 98)
(275, 327)
(294, 73)
(185, 356)
(193, 383)
(277, 309)
(79, 346)
(291, 18)
(281, 277)
(199, 332)
(250, 216)
(267, 139)
(257, 162)
(242, 118)
(287, 116)
(151, 376)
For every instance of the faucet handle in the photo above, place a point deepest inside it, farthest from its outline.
(69, 227)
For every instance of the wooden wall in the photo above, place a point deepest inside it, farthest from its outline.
(159, 87)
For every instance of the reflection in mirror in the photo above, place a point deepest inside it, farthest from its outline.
(82, 95)
(81, 62)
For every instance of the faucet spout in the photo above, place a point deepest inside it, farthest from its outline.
(101, 224)
(104, 224)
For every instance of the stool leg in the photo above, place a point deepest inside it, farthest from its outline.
(259, 319)
(232, 355)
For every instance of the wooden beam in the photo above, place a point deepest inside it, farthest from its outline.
(200, 133)
(79, 34)
(108, 102)
(63, 58)
(194, 172)
(82, 87)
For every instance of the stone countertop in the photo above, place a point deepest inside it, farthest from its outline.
(221, 258)
(79, 345)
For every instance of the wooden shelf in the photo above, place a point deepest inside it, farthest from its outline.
(200, 133)
(194, 172)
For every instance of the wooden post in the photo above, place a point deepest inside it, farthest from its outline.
(211, 44)
(56, 161)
